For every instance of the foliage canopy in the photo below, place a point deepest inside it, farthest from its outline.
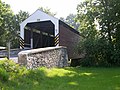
(99, 20)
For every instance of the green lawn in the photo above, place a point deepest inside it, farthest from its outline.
(68, 78)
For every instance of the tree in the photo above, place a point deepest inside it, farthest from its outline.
(47, 10)
(9, 25)
(71, 20)
(6, 16)
(18, 18)
(99, 20)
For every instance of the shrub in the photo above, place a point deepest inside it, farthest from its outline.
(10, 66)
(4, 76)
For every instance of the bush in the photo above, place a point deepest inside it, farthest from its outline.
(10, 66)
(4, 76)
(10, 69)
(98, 52)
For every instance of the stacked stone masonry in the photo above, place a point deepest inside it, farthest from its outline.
(47, 57)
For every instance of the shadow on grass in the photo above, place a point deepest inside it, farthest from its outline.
(66, 79)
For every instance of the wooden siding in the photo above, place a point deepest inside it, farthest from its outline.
(69, 37)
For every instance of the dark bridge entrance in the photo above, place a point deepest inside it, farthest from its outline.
(39, 34)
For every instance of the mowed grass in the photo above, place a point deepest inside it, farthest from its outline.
(69, 78)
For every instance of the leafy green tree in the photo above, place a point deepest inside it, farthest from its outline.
(99, 20)
(71, 20)
(6, 16)
(47, 10)
(17, 19)
(9, 25)
(88, 29)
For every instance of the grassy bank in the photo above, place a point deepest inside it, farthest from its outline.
(14, 77)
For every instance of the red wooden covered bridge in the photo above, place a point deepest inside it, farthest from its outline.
(42, 30)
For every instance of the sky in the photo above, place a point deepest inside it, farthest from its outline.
(62, 7)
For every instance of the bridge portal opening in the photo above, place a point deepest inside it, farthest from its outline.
(39, 34)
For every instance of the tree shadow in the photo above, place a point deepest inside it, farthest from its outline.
(63, 79)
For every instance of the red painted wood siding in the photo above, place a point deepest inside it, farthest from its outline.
(69, 38)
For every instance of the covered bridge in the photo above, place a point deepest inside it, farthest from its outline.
(42, 30)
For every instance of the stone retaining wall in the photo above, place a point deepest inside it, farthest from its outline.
(47, 57)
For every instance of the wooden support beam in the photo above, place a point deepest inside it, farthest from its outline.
(31, 40)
